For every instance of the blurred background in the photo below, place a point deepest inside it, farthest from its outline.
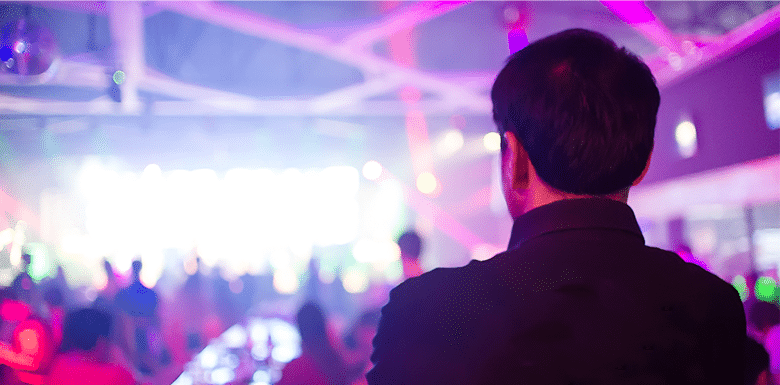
(286, 145)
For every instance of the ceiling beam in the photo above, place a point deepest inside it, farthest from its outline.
(400, 20)
(254, 24)
(126, 23)
(222, 107)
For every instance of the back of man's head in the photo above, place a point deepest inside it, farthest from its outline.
(583, 109)
(136, 267)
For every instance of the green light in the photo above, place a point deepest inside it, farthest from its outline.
(740, 284)
(119, 77)
(765, 289)
(41, 266)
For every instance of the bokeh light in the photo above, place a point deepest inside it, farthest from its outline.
(118, 77)
(354, 280)
(740, 284)
(286, 281)
(492, 142)
(450, 143)
(372, 170)
(765, 289)
(685, 136)
(427, 183)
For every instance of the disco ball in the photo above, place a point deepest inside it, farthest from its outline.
(26, 48)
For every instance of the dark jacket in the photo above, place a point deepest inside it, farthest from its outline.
(576, 299)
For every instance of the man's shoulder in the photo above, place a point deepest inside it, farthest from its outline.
(442, 279)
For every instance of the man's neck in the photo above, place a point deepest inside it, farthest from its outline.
(540, 194)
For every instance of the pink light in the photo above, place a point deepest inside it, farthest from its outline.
(632, 12)
(640, 17)
(419, 144)
(517, 40)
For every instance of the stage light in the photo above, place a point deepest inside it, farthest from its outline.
(285, 281)
(450, 143)
(492, 142)
(372, 170)
(426, 183)
(354, 280)
(685, 136)
(765, 289)
(371, 251)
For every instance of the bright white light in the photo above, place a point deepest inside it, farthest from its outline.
(6, 236)
(354, 280)
(208, 357)
(426, 183)
(222, 376)
(685, 135)
(450, 143)
(152, 171)
(772, 108)
(372, 170)
(370, 251)
(492, 142)
(235, 337)
(285, 281)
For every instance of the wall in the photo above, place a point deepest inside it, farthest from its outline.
(725, 102)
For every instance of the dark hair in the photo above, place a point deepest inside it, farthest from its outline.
(83, 328)
(410, 244)
(583, 109)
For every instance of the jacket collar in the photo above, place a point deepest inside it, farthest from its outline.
(572, 214)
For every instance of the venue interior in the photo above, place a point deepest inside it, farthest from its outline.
(290, 143)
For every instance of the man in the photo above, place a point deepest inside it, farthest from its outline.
(139, 305)
(577, 298)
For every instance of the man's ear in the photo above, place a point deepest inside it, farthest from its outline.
(514, 163)
(644, 172)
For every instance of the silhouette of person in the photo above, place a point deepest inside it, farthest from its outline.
(410, 244)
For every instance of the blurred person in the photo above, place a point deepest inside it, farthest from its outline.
(358, 343)
(23, 285)
(765, 326)
(410, 244)
(85, 357)
(577, 298)
(756, 364)
(55, 309)
(319, 362)
(138, 305)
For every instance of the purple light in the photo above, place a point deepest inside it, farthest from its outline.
(632, 12)
(517, 40)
